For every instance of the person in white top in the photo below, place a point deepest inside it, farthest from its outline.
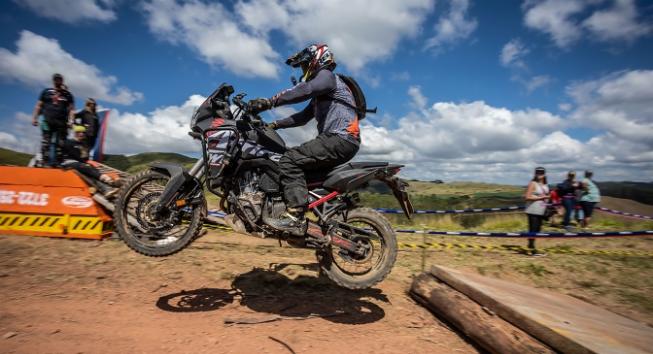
(536, 196)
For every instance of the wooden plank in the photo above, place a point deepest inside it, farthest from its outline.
(566, 324)
(483, 327)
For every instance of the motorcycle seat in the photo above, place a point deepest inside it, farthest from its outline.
(316, 179)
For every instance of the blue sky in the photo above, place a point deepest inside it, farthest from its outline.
(466, 90)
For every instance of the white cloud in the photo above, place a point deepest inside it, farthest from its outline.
(512, 56)
(618, 103)
(72, 11)
(554, 17)
(453, 26)
(563, 20)
(358, 31)
(477, 141)
(512, 53)
(37, 58)
(536, 82)
(617, 23)
(419, 101)
(21, 135)
(210, 29)
(163, 130)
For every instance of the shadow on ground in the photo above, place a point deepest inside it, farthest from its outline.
(269, 291)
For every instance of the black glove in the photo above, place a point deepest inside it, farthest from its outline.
(259, 105)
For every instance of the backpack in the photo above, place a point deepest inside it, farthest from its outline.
(359, 97)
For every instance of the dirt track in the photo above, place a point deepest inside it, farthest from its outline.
(68, 296)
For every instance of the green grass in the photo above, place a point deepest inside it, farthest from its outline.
(139, 162)
(532, 269)
(10, 157)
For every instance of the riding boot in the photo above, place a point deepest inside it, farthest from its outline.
(292, 221)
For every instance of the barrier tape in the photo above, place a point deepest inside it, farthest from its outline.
(631, 215)
(452, 211)
(475, 210)
(510, 208)
(529, 234)
(521, 249)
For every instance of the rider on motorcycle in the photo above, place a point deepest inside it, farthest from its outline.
(331, 104)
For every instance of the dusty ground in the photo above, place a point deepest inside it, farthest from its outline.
(71, 296)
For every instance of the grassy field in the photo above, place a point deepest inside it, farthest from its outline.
(10, 157)
(620, 283)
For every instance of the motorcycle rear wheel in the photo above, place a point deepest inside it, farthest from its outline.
(343, 271)
(129, 217)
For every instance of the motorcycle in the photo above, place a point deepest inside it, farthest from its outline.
(160, 211)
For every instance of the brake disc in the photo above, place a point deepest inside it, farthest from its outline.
(145, 215)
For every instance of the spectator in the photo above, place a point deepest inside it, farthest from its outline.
(57, 106)
(591, 196)
(76, 156)
(89, 119)
(555, 206)
(567, 191)
(536, 197)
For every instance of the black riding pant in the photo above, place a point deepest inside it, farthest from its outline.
(322, 153)
(534, 226)
(83, 168)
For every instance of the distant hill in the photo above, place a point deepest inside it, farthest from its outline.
(637, 191)
(138, 162)
(132, 163)
(11, 157)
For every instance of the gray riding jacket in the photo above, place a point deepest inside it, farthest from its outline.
(332, 116)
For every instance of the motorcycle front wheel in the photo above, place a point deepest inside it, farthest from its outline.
(361, 272)
(151, 234)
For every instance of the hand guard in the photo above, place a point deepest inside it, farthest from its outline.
(258, 105)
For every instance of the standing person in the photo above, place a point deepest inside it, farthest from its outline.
(591, 196)
(536, 197)
(567, 191)
(57, 106)
(89, 119)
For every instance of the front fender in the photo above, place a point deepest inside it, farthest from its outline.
(178, 178)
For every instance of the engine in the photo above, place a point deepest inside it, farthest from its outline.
(255, 203)
(251, 197)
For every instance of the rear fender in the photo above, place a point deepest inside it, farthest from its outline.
(398, 187)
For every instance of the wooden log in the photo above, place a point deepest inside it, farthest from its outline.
(484, 328)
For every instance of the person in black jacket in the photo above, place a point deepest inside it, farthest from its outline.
(89, 119)
(57, 106)
(567, 191)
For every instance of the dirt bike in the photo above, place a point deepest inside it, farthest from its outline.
(160, 211)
